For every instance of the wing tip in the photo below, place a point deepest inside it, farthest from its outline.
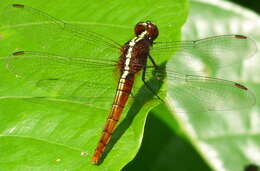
(241, 86)
(238, 36)
(17, 5)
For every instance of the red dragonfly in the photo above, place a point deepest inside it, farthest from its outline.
(60, 68)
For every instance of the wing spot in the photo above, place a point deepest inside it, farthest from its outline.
(18, 6)
(18, 53)
(240, 36)
(241, 86)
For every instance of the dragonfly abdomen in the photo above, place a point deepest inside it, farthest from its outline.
(123, 91)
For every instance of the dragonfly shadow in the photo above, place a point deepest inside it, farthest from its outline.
(143, 96)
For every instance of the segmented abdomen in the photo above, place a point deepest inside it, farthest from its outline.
(123, 90)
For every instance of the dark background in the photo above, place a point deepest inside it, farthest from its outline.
(252, 4)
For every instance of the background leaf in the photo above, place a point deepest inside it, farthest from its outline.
(223, 141)
(45, 134)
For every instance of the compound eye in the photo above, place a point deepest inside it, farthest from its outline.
(139, 28)
(153, 31)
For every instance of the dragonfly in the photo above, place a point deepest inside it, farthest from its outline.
(61, 66)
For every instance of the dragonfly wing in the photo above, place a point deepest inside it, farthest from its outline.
(49, 34)
(192, 93)
(98, 94)
(213, 52)
(41, 65)
(63, 77)
(197, 93)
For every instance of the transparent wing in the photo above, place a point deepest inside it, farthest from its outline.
(47, 33)
(64, 76)
(193, 93)
(215, 52)
(197, 93)
(41, 65)
(97, 94)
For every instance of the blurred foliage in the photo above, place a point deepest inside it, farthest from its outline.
(254, 5)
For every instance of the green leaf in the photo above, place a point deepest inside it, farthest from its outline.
(227, 140)
(40, 133)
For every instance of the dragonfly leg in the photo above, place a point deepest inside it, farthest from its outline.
(154, 64)
(147, 85)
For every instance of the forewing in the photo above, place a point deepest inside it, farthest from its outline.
(213, 52)
(48, 34)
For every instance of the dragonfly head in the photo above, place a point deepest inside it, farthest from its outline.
(147, 29)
